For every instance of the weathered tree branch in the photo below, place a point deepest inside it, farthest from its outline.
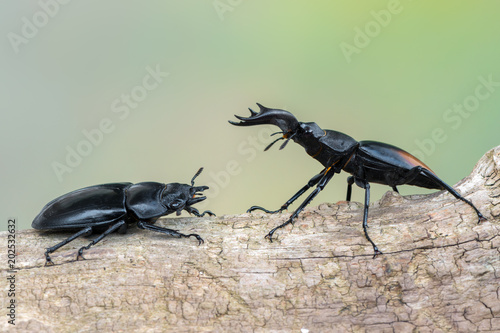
(440, 271)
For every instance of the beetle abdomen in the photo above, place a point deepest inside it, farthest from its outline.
(381, 157)
(90, 206)
(391, 154)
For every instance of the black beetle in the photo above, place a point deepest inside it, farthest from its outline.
(367, 162)
(110, 207)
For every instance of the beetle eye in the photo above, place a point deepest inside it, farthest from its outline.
(176, 204)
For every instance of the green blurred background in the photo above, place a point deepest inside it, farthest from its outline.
(392, 71)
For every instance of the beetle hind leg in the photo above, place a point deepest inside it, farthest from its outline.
(83, 232)
(418, 170)
(453, 192)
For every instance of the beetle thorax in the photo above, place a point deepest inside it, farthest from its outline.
(308, 135)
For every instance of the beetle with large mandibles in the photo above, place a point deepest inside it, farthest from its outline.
(114, 207)
(366, 161)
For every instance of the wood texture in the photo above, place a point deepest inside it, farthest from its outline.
(440, 271)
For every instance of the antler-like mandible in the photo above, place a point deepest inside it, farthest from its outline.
(281, 118)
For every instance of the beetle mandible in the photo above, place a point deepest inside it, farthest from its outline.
(366, 161)
(114, 207)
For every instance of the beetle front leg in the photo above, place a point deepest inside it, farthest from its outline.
(313, 181)
(195, 212)
(325, 178)
(170, 232)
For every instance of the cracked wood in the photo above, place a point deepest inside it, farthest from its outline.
(440, 271)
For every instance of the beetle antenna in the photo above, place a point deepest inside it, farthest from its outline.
(272, 143)
(196, 175)
(276, 133)
(287, 140)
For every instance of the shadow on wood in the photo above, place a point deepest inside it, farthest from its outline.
(440, 271)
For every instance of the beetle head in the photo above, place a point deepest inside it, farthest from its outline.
(266, 116)
(178, 197)
(305, 134)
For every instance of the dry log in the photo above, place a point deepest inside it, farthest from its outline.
(440, 271)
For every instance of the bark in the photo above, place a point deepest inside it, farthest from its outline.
(440, 271)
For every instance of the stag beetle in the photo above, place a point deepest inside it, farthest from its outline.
(367, 162)
(110, 207)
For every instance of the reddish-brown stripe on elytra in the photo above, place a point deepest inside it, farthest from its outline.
(413, 160)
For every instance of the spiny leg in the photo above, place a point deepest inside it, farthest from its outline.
(170, 232)
(365, 219)
(313, 181)
(112, 228)
(321, 185)
(83, 232)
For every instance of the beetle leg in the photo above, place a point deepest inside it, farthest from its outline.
(350, 181)
(196, 213)
(48, 261)
(321, 185)
(414, 172)
(210, 213)
(98, 239)
(365, 219)
(313, 181)
(170, 232)
(123, 229)
(450, 189)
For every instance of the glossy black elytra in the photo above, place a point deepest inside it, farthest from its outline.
(113, 207)
(366, 161)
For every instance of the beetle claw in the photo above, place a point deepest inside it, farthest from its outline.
(251, 209)
(200, 240)
(208, 213)
(377, 252)
(48, 261)
(269, 236)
